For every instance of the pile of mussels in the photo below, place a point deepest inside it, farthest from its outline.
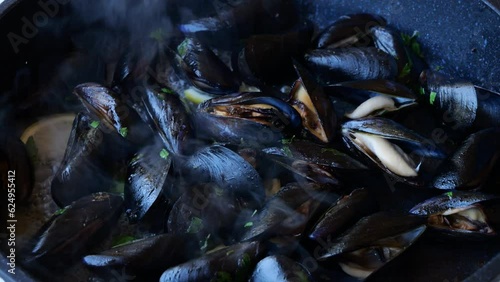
(297, 141)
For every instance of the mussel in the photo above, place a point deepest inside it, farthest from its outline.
(343, 214)
(204, 69)
(348, 30)
(458, 213)
(233, 263)
(167, 116)
(73, 230)
(147, 184)
(106, 106)
(254, 106)
(469, 166)
(227, 170)
(383, 142)
(85, 167)
(315, 108)
(337, 65)
(146, 257)
(373, 97)
(462, 104)
(373, 241)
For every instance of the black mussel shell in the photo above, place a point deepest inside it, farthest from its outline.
(147, 183)
(233, 263)
(168, 117)
(254, 106)
(105, 105)
(469, 167)
(279, 268)
(337, 65)
(286, 213)
(84, 168)
(373, 97)
(315, 108)
(348, 30)
(204, 69)
(71, 232)
(344, 213)
(147, 256)
(459, 214)
(227, 170)
(235, 131)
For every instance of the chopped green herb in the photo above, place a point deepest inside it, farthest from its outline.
(122, 240)
(287, 141)
(245, 260)
(118, 187)
(432, 97)
(167, 91)
(415, 47)
(136, 158)
(158, 34)
(218, 191)
(405, 71)
(438, 68)
(183, 47)
(196, 225)
(124, 132)
(287, 151)
(94, 124)
(32, 150)
(204, 246)
(248, 224)
(61, 211)
(254, 213)
(411, 41)
(164, 153)
(223, 276)
(422, 91)
(449, 194)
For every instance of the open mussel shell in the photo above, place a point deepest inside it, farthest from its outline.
(460, 214)
(382, 141)
(147, 183)
(373, 241)
(348, 30)
(226, 169)
(287, 213)
(254, 106)
(315, 108)
(235, 131)
(16, 170)
(279, 268)
(145, 257)
(344, 213)
(84, 168)
(104, 105)
(204, 69)
(468, 168)
(233, 263)
(337, 65)
(315, 163)
(167, 116)
(373, 97)
(72, 231)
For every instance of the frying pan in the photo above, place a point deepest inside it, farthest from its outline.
(461, 38)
